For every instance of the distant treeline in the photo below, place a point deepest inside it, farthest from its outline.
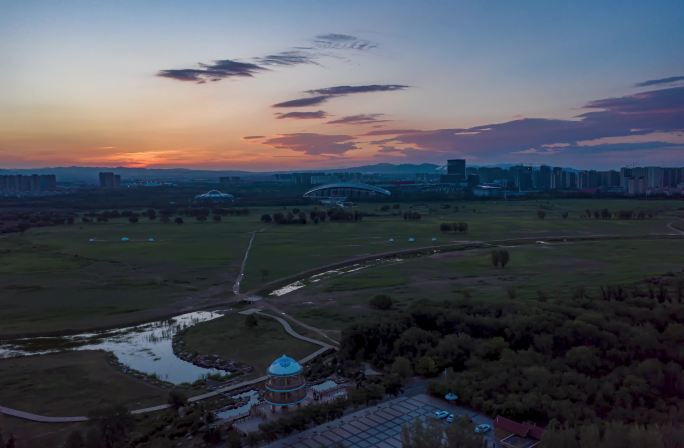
(315, 216)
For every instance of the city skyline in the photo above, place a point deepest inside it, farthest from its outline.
(267, 87)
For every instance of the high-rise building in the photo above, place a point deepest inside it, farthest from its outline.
(456, 172)
(33, 183)
(109, 180)
(543, 178)
(456, 167)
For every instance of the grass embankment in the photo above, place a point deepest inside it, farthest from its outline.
(71, 383)
(259, 346)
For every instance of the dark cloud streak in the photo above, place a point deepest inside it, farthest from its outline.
(359, 119)
(323, 95)
(225, 68)
(655, 82)
(303, 115)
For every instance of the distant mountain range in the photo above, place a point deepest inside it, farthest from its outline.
(89, 175)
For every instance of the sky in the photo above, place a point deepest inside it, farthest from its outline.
(266, 85)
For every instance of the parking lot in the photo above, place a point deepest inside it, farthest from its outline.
(377, 426)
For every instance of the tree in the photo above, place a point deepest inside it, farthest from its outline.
(541, 214)
(216, 218)
(264, 274)
(266, 218)
(381, 302)
(251, 321)
(401, 367)
(133, 219)
(113, 424)
(426, 366)
(504, 257)
(178, 220)
(177, 399)
(495, 258)
(74, 440)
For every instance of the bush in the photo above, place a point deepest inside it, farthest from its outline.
(381, 302)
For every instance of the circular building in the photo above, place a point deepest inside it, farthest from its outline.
(340, 192)
(285, 385)
(214, 196)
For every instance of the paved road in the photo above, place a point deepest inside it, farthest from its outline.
(673, 226)
(39, 418)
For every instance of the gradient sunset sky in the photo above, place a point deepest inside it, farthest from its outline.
(264, 85)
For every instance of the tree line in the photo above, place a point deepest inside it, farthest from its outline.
(575, 358)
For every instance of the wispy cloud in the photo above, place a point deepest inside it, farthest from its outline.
(348, 90)
(661, 81)
(253, 137)
(303, 102)
(323, 95)
(303, 115)
(228, 68)
(313, 144)
(287, 58)
(359, 119)
(342, 41)
(640, 114)
(225, 68)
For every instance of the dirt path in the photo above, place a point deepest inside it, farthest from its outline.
(241, 274)
(677, 230)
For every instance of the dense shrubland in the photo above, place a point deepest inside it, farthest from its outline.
(613, 356)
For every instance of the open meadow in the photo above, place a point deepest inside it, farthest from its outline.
(55, 279)
(534, 272)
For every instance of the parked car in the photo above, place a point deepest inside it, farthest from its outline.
(483, 428)
(450, 418)
(441, 414)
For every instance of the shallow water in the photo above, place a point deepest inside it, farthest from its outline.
(299, 284)
(145, 348)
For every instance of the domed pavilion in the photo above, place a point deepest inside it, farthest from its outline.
(285, 385)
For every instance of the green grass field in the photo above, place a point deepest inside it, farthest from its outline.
(555, 271)
(286, 250)
(53, 279)
(229, 337)
(71, 383)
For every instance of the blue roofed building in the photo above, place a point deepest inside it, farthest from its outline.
(285, 385)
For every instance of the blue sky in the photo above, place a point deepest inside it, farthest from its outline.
(95, 83)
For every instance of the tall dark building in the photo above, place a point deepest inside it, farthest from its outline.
(109, 180)
(543, 178)
(32, 183)
(456, 167)
(456, 172)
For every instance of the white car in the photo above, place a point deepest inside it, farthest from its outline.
(450, 418)
(441, 414)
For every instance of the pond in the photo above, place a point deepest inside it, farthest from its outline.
(146, 348)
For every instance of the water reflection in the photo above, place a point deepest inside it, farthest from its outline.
(146, 348)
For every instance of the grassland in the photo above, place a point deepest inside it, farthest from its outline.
(229, 337)
(541, 270)
(71, 383)
(53, 279)
(286, 250)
